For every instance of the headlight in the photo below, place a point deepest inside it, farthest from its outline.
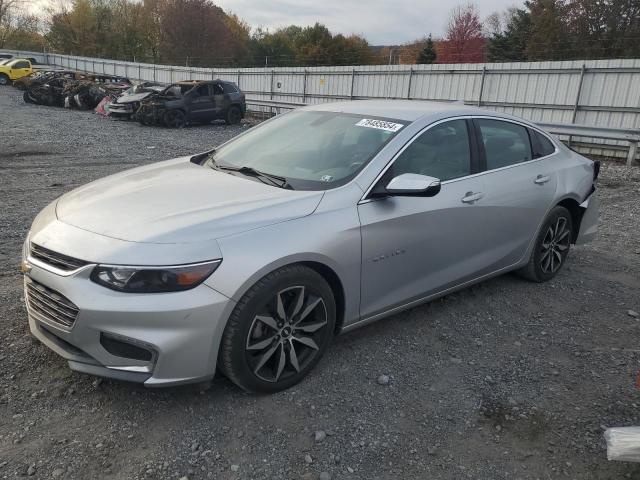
(153, 279)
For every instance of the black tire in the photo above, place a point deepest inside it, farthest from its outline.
(174, 118)
(233, 116)
(27, 97)
(551, 247)
(4, 79)
(257, 339)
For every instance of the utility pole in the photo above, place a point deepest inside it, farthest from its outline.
(390, 55)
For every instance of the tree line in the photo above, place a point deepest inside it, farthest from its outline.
(199, 33)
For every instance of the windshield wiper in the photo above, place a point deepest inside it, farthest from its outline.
(270, 178)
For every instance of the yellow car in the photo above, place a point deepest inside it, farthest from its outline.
(14, 69)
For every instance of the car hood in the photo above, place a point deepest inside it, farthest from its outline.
(134, 97)
(179, 202)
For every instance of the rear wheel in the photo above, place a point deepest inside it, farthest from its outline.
(174, 118)
(278, 331)
(551, 247)
(4, 79)
(234, 115)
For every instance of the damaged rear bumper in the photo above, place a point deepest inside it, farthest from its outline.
(589, 222)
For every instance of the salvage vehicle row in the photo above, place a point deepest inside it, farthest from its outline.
(175, 106)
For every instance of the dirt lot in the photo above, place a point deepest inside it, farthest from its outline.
(506, 380)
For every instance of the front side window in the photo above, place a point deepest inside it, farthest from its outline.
(505, 143)
(202, 91)
(312, 150)
(442, 152)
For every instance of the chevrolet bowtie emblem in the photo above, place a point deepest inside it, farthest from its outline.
(25, 267)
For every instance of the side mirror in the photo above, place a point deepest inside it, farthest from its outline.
(413, 184)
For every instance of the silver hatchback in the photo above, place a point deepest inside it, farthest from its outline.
(250, 257)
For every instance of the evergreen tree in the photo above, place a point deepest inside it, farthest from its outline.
(510, 45)
(428, 53)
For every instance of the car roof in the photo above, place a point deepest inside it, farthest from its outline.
(407, 110)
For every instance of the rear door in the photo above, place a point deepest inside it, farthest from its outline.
(202, 103)
(519, 186)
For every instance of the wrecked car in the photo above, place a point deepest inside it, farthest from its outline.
(46, 90)
(127, 104)
(24, 82)
(110, 79)
(190, 102)
(59, 91)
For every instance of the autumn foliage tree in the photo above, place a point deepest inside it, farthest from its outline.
(463, 31)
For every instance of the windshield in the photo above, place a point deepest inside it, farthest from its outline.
(312, 150)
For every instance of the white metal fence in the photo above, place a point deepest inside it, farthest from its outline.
(604, 93)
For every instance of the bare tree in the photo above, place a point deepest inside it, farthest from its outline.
(8, 12)
(464, 27)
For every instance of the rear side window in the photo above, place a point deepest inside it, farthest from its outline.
(505, 143)
(229, 88)
(542, 146)
(21, 65)
(442, 152)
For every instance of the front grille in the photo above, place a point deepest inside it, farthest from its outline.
(49, 305)
(55, 259)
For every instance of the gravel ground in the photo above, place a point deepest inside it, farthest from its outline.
(505, 380)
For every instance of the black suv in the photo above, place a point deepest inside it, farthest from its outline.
(194, 101)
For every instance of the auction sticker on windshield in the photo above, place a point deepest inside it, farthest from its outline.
(379, 124)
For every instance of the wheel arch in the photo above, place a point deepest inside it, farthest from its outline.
(576, 212)
(332, 278)
(319, 265)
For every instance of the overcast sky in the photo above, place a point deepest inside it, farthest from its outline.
(379, 21)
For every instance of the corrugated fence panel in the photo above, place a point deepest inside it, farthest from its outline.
(604, 93)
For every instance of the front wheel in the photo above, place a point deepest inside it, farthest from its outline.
(174, 118)
(278, 331)
(551, 247)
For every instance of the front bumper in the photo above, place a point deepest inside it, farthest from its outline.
(122, 109)
(180, 330)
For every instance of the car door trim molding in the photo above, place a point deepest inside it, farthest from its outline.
(365, 198)
(427, 298)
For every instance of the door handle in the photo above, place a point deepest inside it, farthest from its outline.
(541, 179)
(471, 197)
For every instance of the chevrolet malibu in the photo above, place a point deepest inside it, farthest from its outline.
(250, 257)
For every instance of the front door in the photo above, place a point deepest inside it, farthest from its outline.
(415, 246)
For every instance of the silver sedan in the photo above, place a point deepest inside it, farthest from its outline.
(250, 257)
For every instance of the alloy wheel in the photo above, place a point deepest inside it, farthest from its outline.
(555, 245)
(284, 337)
